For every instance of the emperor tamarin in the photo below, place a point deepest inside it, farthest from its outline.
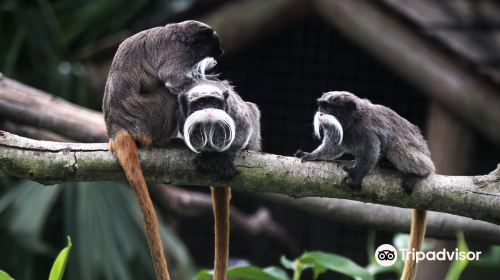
(216, 124)
(140, 101)
(370, 132)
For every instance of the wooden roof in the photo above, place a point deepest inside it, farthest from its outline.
(470, 29)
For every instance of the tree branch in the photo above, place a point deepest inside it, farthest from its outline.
(26, 105)
(353, 212)
(476, 197)
(189, 203)
(389, 218)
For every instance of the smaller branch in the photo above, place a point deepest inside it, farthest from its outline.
(27, 105)
(388, 218)
(189, 203)
(32, 132)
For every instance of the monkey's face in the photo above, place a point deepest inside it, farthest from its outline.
(201, 38)
(340, 104)
(336, 112)
(208, 128)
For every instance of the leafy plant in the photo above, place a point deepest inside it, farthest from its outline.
(458, 265)
(5, 276)
(321, 262)
(57, 270)
(101, 217)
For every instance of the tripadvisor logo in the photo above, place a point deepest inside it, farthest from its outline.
(387, 255)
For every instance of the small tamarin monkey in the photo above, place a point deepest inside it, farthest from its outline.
(216, 124)
(140, 102)
(370, 132)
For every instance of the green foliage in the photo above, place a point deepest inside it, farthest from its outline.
(458, 266)
(5, 276)
(248, 273)
(57, 270)
(48, 43)
(321, 262)
(104, 221)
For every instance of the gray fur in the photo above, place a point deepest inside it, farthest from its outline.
(246, 116)
(371, 132)
(148, 70)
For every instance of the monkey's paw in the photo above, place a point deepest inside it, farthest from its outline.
(304, 156)
(351, 183)
(299, 153)
(351, 180)
(409, 183)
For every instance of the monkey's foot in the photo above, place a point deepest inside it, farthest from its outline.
(409, 183)
(222, 164)
(353, 181)
(304, 156)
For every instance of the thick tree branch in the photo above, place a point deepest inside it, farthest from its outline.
(476, 197)
(394, 219)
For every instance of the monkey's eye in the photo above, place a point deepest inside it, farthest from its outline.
(323, 104)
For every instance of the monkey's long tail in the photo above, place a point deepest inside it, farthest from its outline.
(417, 233)
(220, 203)
(125, 149)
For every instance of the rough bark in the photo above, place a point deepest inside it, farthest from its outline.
(46, 162)
(26, 105)
(440, 225)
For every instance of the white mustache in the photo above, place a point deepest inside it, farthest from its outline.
(322, 120)
(209, 119)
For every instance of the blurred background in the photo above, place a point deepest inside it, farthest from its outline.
(437, 63)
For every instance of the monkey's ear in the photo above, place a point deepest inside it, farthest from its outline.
(225, 94)
(351, 105)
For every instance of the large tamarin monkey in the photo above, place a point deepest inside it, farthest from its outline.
(140, 102)
(370, 132)
(216, 124)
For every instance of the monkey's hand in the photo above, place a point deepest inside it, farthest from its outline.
(221, 164)
(304, 156)
(352, 180)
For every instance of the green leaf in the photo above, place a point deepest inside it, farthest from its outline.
(57, 270)
(249, 272)
(5, 276)
(458, 265)
(286, 263)
(320, 260)
(370, 247)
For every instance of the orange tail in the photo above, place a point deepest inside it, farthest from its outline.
(125, 149)
(417, 233)
(220, 204)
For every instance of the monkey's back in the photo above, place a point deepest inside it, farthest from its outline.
(401, 141)
(134, 100)
(247, 118)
